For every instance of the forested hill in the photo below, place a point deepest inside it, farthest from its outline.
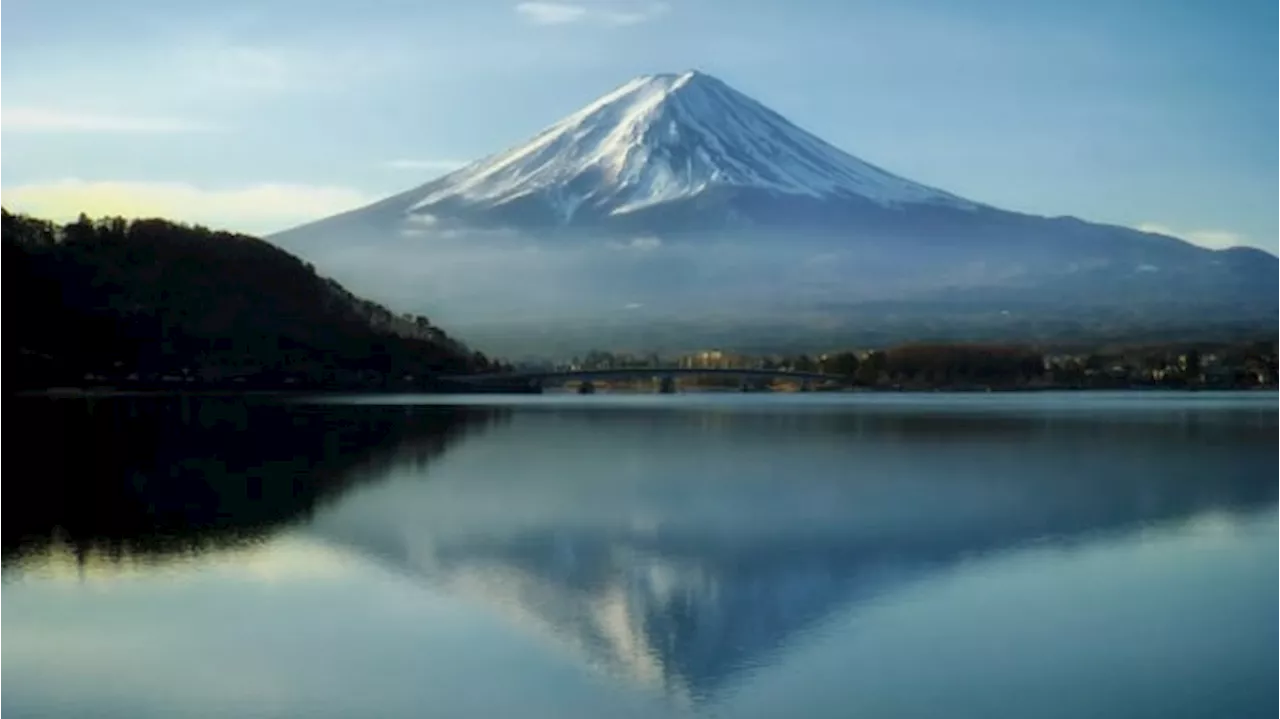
(115, 301)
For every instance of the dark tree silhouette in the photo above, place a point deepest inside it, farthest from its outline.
(844, 364)
(117, 299)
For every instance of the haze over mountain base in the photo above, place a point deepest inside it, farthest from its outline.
(675, 212)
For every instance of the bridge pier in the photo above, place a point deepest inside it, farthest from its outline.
(587, 387)
(806, 386)
(667, 385)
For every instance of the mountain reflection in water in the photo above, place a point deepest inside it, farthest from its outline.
(670, 547)
(681, 547)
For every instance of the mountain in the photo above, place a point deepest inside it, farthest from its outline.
(659, 140)
(630, 157)
(149, 298)
(676, 205)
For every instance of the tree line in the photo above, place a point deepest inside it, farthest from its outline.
(941, 365)
(113, 299)
(931, 365)
(1229, 365)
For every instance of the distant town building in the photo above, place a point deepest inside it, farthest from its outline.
(713, 359)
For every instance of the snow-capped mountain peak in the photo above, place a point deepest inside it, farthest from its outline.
(659, 138)
(677, 208)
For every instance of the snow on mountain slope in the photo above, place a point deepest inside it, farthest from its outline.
(665, 137)
(676, 199)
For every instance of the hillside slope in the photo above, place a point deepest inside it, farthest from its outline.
(149, 298)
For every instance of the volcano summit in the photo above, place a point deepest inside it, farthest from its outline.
(676, 211)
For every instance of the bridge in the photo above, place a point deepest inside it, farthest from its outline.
(535, 381)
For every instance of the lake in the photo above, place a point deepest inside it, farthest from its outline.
(698, 555)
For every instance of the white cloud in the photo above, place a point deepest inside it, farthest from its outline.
(44, 119)
(418, 225)
(551, 13)
(635, 15)
(257, 208)
(438, 165)
(617, 14)
(422, 219)
(643, 243)
(1212, 239)
(647, 242)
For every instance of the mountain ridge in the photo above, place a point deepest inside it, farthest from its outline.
(637, 137)
(675, 190)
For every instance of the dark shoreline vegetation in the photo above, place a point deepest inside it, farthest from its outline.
(992, 367)
(154, 304)
(151, 305)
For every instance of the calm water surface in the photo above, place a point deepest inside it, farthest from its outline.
(1073, 555)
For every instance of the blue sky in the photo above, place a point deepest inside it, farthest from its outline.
(257, 115)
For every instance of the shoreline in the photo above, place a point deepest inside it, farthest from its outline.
(107, 393)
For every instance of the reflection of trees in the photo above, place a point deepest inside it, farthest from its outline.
(185, 474)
